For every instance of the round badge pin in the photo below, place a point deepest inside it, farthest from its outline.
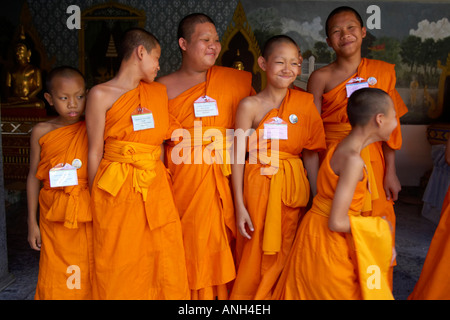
(76, 163)
(372, 81)
(293, 118)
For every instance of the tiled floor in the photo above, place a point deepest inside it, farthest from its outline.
(414, 234)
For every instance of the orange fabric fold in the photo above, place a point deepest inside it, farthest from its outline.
(202, 190)
(326, 265)
(138, 243)
(276, 189)
(65, 219)
(434, 282)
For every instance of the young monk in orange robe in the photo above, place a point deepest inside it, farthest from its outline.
(331, 86)
(200, 164)
(434, 281)
(339, 254)
(64, 233)
(138, 244)
(273, 185)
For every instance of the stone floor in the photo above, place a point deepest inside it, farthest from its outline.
(414, 234)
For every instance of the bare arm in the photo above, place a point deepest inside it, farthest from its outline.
(243, 124)
(349, 177)
(311, 163)
(391, 183)
(33, 188)
(96, 108)
(316, 86)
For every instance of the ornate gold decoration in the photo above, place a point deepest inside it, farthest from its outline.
(239, 24)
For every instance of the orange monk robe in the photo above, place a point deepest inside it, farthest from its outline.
(202, 189)
(335, 119)
(65, 221)
(327, 265)
(434, 281)
(138, 244)
(274, 199)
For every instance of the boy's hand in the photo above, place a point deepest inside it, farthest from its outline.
(243, 220)
(34, 237)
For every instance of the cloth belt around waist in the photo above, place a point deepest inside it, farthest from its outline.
(71, 206)
(213, 138)
(337, 132)
(288, 183)
(141, 158)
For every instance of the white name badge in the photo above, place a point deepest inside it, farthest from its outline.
(205, 107)
(143, 121)
(276, 128)
(353, 86)
(63, 176)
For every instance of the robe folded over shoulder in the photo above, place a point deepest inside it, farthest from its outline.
(276, 187)
(200, 168)
(336, 124)
(327, 265)
(66, 259)
(434, 280)
(138, 244)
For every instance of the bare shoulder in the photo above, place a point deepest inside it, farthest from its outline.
(168, 79)
(41, 129)
(103, 96)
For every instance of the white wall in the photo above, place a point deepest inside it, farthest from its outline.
(413, 160)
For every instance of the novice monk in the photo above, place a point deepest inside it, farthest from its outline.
(138, 245)
(200, 164)
(331, 86)
(434, 281)
(64, 233)
(274, 185)
(339, 254)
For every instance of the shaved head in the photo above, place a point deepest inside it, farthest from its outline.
(340, 10)
(62, 72)
(273, 41)
(186, 27)
(134, 37)
(365, 103)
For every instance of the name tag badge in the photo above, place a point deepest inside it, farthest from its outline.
(142, 119)
(276, 128)
(205, 107)
(355, 84)
(63, 176)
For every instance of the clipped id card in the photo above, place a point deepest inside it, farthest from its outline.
(355, 84)
(205, 107)
(276, 128)
(142, 119)
(63, 175)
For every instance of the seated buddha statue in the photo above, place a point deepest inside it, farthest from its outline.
(24, 80)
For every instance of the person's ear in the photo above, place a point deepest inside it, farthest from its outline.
(364, 32)
(182, 42)
(49, 98)
(379, 119)
(262, 63)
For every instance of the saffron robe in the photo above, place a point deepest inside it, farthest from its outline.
(138, 244)
(434, 282)
(335, 121)
(201, 182)
(274, 198)
(65, 222)
(327, 265)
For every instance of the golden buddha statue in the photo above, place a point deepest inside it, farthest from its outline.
(237, 64)
(24, 80)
